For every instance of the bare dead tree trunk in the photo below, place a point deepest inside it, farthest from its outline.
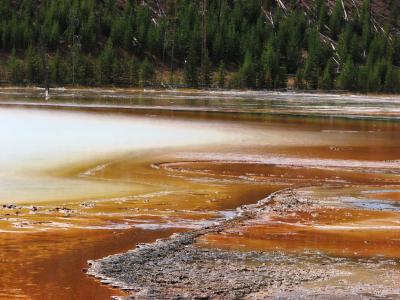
(43, 54)
(344, 11)
(204, 42)
(173, 42)
(46, 70)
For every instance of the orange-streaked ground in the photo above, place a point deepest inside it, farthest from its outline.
(45, 244)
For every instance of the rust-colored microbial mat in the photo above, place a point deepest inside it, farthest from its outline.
(76, 186)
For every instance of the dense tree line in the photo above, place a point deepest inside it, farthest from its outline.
(241, 44)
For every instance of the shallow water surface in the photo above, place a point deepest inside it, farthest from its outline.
(82, 185)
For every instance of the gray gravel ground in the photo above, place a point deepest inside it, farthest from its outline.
(176, 268)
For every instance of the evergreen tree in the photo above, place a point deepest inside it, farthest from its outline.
(247, 74)
(300, 79)
(327, 80)
(134, 69)
(374, 84)
(118, 72)
(15, 69)
(33, 66)
(362, 79)
(336, 20)
(146, 73)
(347, 78)
(54, 36)
(154, 39)
(56, 74)
(311, 71)
(270, 62)
(316, 58)
(281, 81)
(106, 63)
(77, 63)
(322, 13)
(366, 24)
(220, 76)
(380, 72)
(391, 80)
(206, 69)
(88, 70)
(191, 77)
(89, 32)
(261, 50)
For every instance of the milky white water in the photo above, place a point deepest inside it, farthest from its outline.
(162, 162)
(36, 141)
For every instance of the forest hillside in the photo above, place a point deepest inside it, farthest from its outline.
(349, 45)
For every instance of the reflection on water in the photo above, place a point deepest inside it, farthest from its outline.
(77, 185)
(265, 102)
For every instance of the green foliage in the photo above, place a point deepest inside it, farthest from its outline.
(33, 66)
(220, 76)
(336, 20)
(120, 43)
(362, 79)
(15, 69)
(57, 70)
(106, 63)
(81, 69)
(206, 70)
(247, 72)
(366, 24)
(146, 73)
(322, 13)
(300, 79)
(270, 64)
(347, 77)
(391, 80)
(327, 79)
(314, 60)
(134, 69)
(191, 75)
